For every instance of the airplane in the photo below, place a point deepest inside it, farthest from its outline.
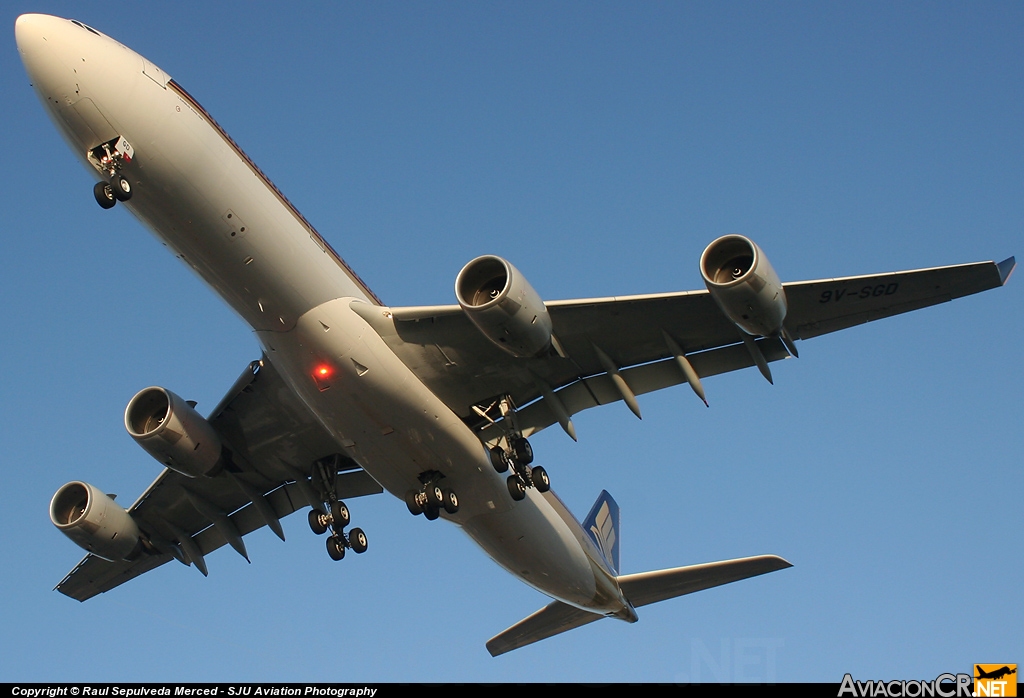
(995, 673)
(433, 404)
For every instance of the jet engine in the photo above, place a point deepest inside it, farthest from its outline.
(503, 305)
(743, 283)
(171, 431)
(95, 522)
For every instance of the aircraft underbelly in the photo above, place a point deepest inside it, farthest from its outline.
(200, 195)
(393, 426)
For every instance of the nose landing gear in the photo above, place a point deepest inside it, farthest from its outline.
(109, 158)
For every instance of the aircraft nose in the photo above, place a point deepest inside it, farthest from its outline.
(29, 30)
(39, 37)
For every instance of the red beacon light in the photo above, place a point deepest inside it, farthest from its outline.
(322, 374)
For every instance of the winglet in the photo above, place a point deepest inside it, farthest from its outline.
(1006, 268)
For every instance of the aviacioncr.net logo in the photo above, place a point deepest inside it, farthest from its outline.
(944, 686)
(995, 680)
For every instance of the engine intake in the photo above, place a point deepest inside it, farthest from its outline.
(95, 522)
(744, 285)
(170, 430)
(503, 306)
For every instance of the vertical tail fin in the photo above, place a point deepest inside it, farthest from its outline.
(602, 525)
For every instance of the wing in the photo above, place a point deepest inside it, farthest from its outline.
(273, 441)
(446, 351)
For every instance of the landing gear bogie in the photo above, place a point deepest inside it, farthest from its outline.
(431, 498)
(518, 457)
(334, 515)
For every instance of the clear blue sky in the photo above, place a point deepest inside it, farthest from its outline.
(599, 147)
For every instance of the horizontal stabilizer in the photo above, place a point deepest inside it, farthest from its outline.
(555, 618)
(640, 589)
(651, 587)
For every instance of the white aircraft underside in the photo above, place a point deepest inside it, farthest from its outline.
(351, 396)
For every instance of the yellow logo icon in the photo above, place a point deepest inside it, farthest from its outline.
(995, 680)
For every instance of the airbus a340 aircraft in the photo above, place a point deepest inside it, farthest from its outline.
(432, 404)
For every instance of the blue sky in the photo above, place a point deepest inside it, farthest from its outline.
(600, 147)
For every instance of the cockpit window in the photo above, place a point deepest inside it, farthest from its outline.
(86, 27)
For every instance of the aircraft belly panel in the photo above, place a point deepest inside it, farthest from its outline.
(533, 543)
(372, 404)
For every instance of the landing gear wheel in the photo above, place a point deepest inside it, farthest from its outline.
(523, 451)
(335, 548)
(431, 513)
(451, 501)
(316, 521)
(121, 187)
(357, 539)
(540, 479)
(412, 500)
(516, 488)
(104, 194)
(498, 460)
(435, 497)
(340, 515)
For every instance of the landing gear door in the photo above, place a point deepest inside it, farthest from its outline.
(123, 149)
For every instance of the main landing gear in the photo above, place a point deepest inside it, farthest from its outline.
(334, 516)
(431, 497)
(516, 455)
(518, 460)
(109, 158)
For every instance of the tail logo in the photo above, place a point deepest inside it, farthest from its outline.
(602, 525)
(603, 530)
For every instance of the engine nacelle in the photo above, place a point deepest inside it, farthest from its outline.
(503, 305)
(743, 283)
(95, 522)
(172, 432)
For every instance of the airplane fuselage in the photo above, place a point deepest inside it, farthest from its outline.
(204, 199)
